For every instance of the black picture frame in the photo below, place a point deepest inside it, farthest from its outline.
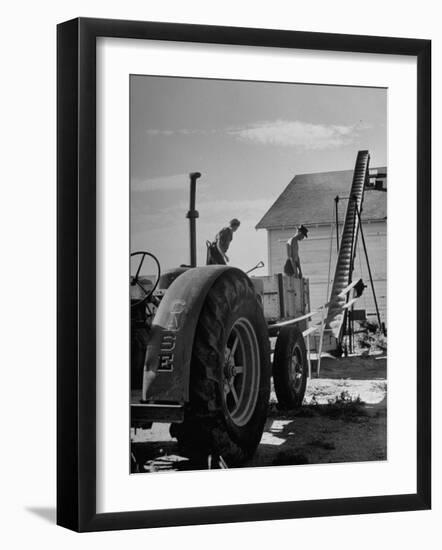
(76, 273)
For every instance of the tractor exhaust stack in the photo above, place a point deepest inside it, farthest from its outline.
(192, 214)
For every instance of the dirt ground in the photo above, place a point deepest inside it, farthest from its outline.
(343, 419)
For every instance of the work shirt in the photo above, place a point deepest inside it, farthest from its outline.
(224, 238)
(293, 249)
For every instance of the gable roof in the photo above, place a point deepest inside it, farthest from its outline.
(309, 199)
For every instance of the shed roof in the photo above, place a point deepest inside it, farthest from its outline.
(309, 199)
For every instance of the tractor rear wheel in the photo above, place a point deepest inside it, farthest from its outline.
(230, 375)
(290, 368)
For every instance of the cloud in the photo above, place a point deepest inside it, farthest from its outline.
(162, 183)
(299, 134)
(287, 133)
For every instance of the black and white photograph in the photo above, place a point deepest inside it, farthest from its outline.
(258, 274)
(221, 240)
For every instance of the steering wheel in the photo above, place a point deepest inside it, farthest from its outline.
(136, 281)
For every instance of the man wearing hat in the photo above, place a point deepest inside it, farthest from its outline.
(292, 265)
(216, 251)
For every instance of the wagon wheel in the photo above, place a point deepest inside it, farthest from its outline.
(230, 375)
(290, 368)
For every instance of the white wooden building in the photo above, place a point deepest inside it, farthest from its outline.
(309, 199)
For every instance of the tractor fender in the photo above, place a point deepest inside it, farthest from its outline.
(169, 351)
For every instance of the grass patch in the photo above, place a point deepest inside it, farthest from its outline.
(343, 407)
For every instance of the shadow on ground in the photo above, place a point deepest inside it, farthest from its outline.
(344, 431)
(46, 513)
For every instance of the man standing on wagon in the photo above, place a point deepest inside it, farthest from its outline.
(217, 251)
(292, 266)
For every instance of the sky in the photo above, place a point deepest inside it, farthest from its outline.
(248, 140)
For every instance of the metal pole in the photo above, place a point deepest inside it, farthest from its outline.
(321, 338)
(352, 327)
(337, 222)
(192, 214)
(353, 240)
(369, 272)
(347, 320)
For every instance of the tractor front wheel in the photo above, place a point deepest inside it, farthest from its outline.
(230, 375)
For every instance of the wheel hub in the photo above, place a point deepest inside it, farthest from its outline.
(241, 372)
(296, 369)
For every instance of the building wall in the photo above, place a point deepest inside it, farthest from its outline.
(314, 254)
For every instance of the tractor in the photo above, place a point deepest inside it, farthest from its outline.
(201, 339)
